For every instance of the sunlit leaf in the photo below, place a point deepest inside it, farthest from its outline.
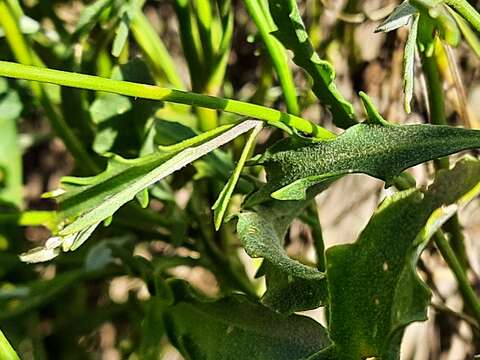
(85, 202)
(220, 206)
(409, 64)
(399, 17)
(293, 35)
(374, 289)
(381, 151)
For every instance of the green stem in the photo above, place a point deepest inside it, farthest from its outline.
(277, 54)
(436, 100)
(456, 259)
(468, 294)
(6, 350)
(271, 116)
(154, 49)
(26, 56)
(467, 11)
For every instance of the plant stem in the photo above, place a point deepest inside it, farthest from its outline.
(435, 96)
(457, 260)
(271, 116)
(467, 11)
(277, 54)
(468, 294)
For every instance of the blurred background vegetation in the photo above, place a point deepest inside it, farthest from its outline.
(95, 303)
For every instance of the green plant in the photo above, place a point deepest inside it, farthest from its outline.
(159, 142)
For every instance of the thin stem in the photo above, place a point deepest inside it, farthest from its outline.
(468, 294)
(271, 116)
(467, 11)
(277, 54)
(438, 117)
(436, 100)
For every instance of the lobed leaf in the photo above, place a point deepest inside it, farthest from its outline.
(379, 150)
(292, 34)
(374, 290)
(85, 202)
(237, 328)
(262, 233)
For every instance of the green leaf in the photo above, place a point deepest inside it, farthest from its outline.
(85, 202)
(90, 16)
(122, 121)
(381, 151)
(10, 155)
(409, 64)
(435, 13)
(121, 33)
(399, 17)
(374, 290)
(293, 35)
(23, 298)
(152, 330)
(291, 285)
(220, 206)
(237, 328)
(470, 36)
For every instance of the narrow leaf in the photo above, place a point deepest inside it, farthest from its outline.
(470, 36)
(220, 206)
(6, 350)
(121, 35)
(409, 64)
(88, 201)
(90, 16)
(381, 151)
(293, 35)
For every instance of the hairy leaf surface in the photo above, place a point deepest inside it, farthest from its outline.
(373, 148)
(373, 286)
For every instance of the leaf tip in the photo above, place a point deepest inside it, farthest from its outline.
(373, 116)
